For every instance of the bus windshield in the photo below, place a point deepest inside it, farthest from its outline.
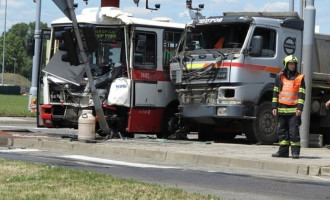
(111, 48)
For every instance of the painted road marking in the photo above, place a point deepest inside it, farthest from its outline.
(17, 150)
(114, 162)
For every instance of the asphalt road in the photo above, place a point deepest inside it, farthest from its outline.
(227, 183)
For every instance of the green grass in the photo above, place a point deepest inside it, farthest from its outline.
(24, 180)
(15, 106)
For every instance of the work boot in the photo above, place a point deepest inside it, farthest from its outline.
(295, 150)
(295, 156)
(277, 154)
(283, 152)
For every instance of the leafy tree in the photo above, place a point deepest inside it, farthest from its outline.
(16, 45)
(14, 50)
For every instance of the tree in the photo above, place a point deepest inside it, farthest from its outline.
(14, 50)
(16, 45)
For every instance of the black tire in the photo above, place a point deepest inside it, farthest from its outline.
(205, 132)
(263, 129)
(169, 123)
(326, 138)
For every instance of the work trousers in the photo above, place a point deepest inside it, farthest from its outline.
(288, 134)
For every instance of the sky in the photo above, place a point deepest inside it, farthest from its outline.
(25, 10)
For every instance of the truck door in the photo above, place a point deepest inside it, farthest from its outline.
(291, 43)
(261, 69)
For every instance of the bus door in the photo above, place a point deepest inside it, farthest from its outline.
(43, 60)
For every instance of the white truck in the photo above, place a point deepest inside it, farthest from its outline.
(224, 71)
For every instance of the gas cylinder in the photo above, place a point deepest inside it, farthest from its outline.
(86, 126)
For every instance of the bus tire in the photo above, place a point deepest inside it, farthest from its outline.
(169, 123)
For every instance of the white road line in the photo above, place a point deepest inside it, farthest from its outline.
(17, 150)
(114, 162)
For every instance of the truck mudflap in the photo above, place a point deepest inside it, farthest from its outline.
(215, 111)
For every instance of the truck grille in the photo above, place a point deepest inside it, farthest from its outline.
(198, 96)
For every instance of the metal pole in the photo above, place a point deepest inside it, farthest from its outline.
(4, 45)
(302, 7)
(34, 82)
(97, 102)
(14, 65)
(291, 6)
(307, 58)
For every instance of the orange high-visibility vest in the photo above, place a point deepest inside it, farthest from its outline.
(290, 89)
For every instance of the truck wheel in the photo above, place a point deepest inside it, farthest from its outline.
(205, 132)
(263, 129)
(169, 123)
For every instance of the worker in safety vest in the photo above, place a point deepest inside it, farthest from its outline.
(288, 102)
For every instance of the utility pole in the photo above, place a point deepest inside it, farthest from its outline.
(66, 6)
(291, 5)
(4, 45)
(302, 7)
(307, 61)
(34, 82)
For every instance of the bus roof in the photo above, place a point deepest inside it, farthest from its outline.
(114, 16)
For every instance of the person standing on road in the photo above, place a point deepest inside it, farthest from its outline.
(287, 104)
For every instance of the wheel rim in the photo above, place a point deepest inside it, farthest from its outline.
(268, 124)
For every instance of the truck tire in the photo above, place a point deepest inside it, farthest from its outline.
(206, 132)
(169, 123)
(263, 129)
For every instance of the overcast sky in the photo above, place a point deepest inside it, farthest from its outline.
(25, 10)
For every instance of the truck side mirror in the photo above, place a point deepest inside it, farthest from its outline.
(256, 45)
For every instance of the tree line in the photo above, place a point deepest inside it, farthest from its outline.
(16, 57)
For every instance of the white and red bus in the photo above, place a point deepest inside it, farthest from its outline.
(130, 70)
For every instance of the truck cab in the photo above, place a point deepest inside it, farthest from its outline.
(224, 71)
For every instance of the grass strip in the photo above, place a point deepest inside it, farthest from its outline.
(25, 180)
(15, 106)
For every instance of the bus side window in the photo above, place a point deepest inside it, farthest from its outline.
(145, 50)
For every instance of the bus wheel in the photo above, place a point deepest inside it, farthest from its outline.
(169, 123)
(263, 129)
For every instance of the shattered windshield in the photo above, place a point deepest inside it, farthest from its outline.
(215, 36)
(110, 50)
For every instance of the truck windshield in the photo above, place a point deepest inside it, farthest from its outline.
(216, 36)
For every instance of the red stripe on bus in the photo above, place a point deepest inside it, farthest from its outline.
(150, 75)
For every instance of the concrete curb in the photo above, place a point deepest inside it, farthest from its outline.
(165, 155)
(17, 120)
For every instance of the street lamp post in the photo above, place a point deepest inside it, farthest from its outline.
(34, 82)
(4, 45)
